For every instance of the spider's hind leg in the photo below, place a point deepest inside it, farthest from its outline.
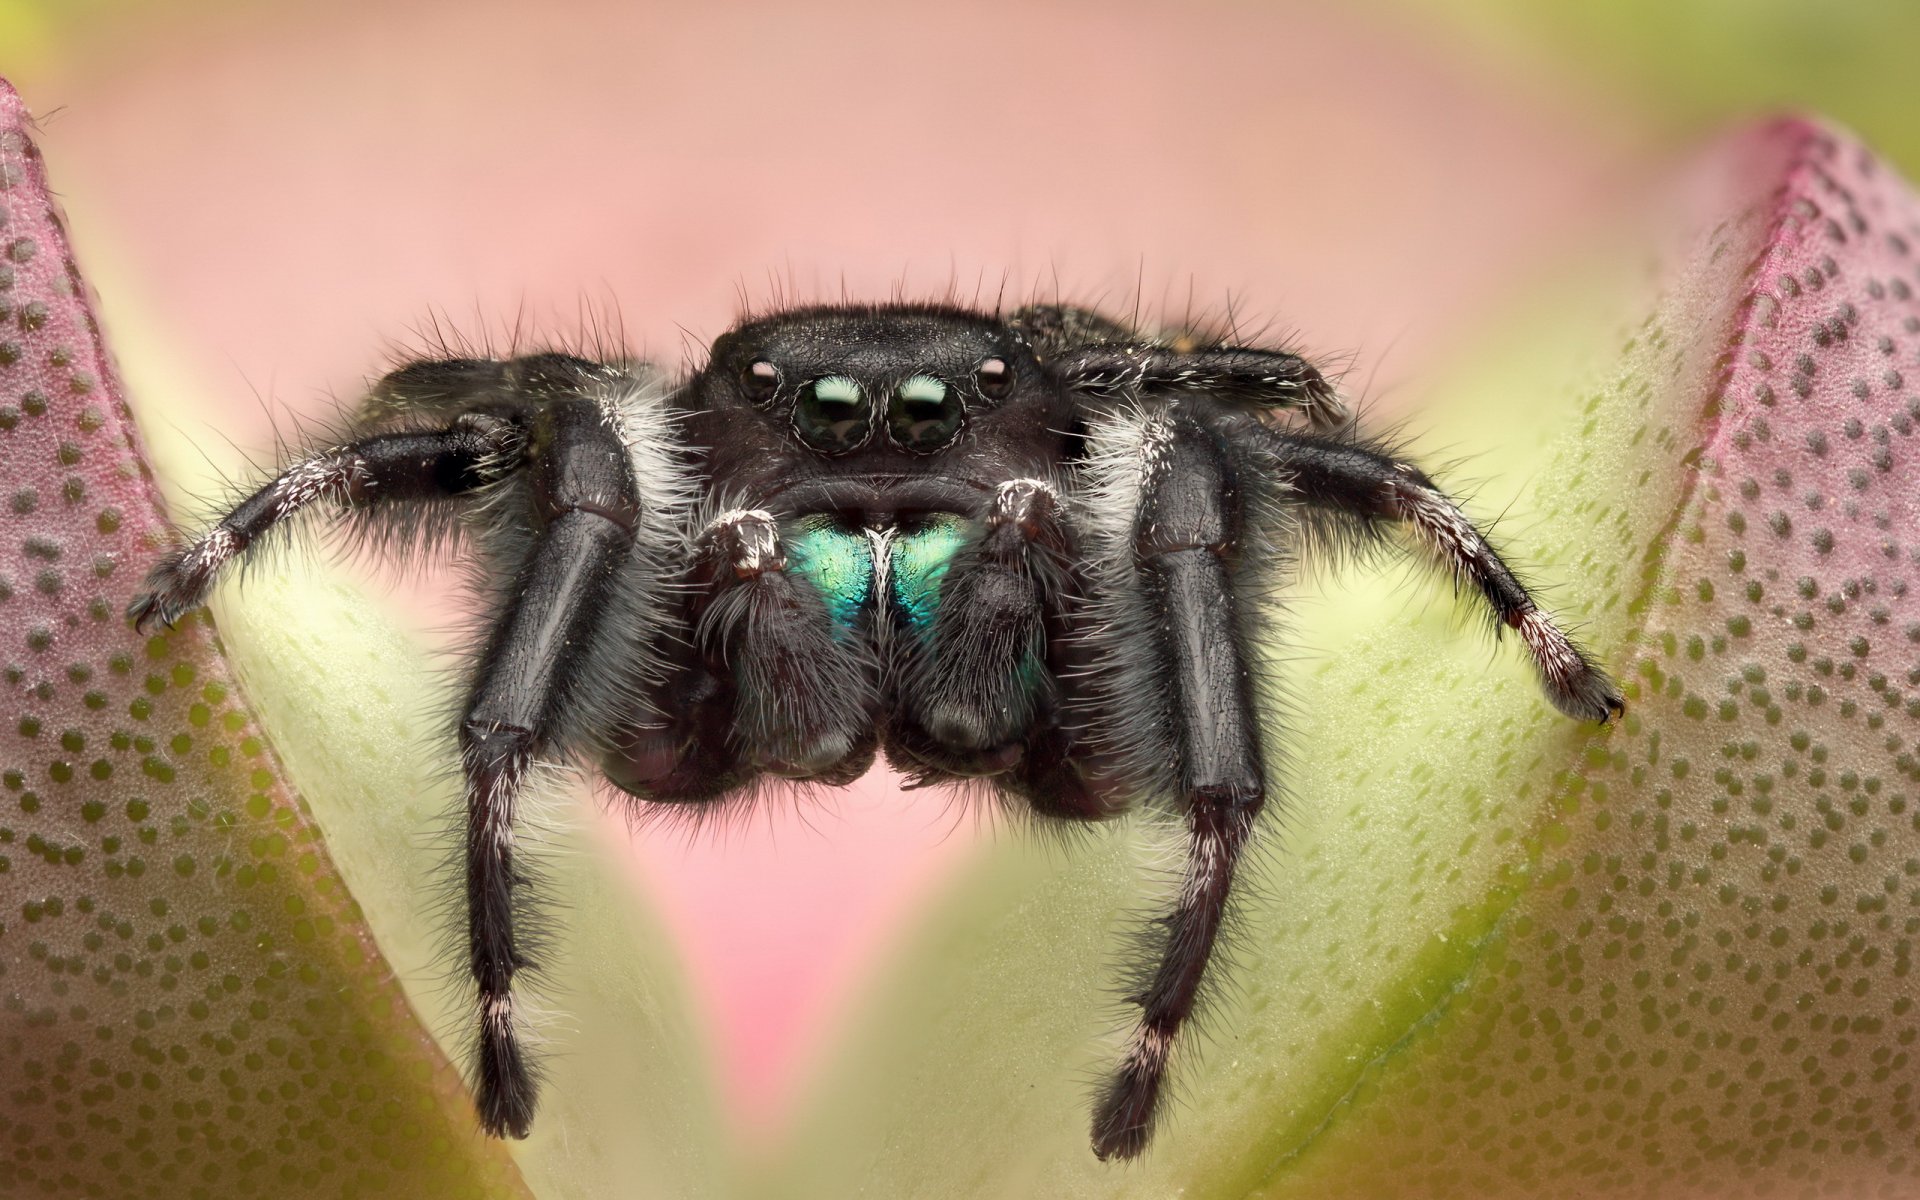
(417, 467)
(1103, 361)
(430, 435)
(1370, 489)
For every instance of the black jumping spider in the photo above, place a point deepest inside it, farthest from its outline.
(1031, 550)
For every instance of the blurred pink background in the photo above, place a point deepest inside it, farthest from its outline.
(285, 194)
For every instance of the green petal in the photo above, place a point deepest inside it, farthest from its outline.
(359, 716)
(1491, 950)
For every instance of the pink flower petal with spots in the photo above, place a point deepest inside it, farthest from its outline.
(190, 1003)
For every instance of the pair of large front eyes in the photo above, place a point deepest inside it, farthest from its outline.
(832, 415)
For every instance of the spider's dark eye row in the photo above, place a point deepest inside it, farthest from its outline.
(924, 414)
(994, 378)
(831, 415)
(760, 381)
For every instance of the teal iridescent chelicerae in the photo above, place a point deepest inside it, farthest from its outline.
(839, 560)
(920, 557)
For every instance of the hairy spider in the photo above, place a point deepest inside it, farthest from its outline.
(1032, 550)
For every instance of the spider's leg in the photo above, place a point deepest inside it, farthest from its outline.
(976, 633)
(473, 450)
(1372, 486)
(1201, 741)
(527, 683)
(780, 621)
(1270, 379)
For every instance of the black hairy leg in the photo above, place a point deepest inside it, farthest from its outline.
(473, 450)
(1182, 542)
(1365, 483)
(1104, 361)
(587, 508)
(542, 423)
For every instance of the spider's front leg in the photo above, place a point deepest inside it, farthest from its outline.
(550, 635)
(1204, 744)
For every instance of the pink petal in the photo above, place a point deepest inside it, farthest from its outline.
(192, 1004)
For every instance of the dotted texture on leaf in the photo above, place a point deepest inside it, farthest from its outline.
(190, 1004)
(1706, 987)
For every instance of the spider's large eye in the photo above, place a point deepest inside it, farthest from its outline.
(831, 415)
(994, 378)
(760, 381)
(924, 414)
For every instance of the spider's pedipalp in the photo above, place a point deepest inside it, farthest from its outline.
(973, 662)
(805, 698)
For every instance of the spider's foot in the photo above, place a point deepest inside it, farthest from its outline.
(178, 582)
(149, 607)
(173, 590)
(504, 1091)
(1123, 1120)
(506, 1109)
(1590, 695)
(1575, 684)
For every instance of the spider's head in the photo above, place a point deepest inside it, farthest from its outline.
(876, 382)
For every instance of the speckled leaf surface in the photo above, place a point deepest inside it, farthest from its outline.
(1492, 953)
(1707, 988)
(190, 1002)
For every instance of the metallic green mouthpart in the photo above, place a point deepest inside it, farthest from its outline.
(838, 561)
(920, 559)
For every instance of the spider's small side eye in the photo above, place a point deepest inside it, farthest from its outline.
(760, 381)
(994, 378)
(832, 415)
(924, 414)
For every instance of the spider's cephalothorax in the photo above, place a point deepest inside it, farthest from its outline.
(1033, 551)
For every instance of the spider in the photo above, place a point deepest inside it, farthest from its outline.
(1031, 550)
